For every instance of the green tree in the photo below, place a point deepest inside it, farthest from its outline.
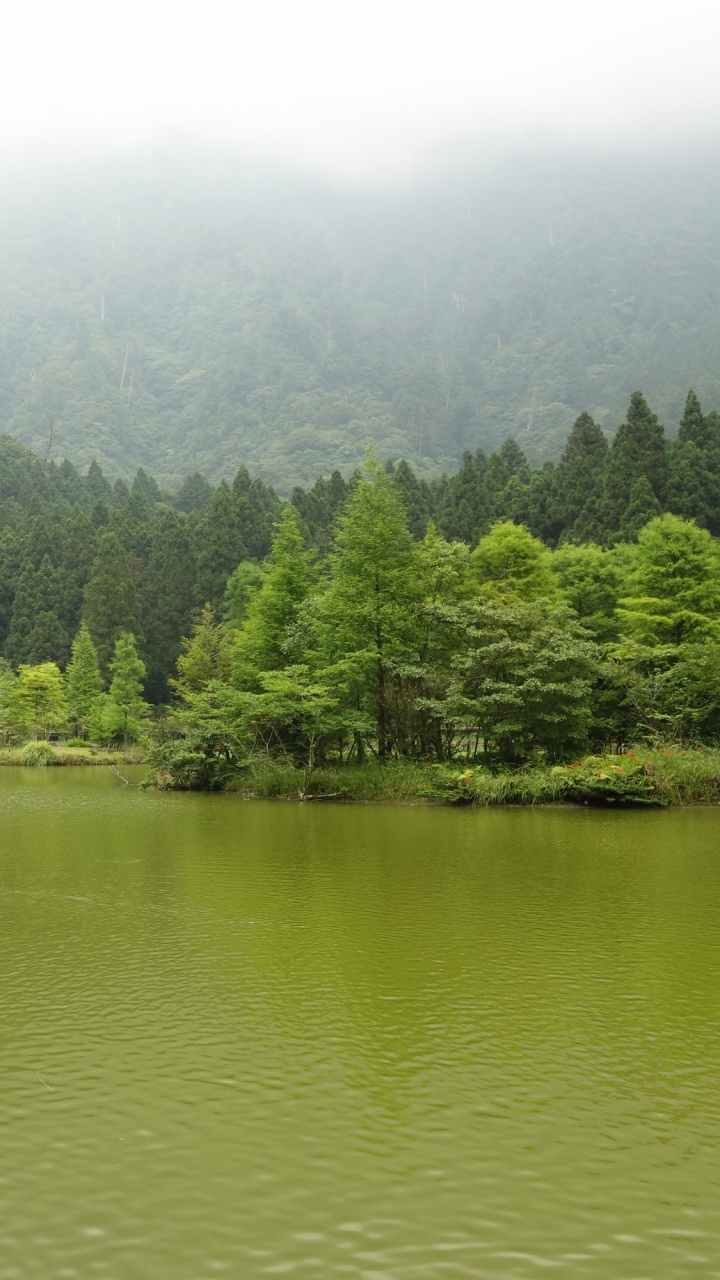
(205, 656)
(123, 708)
(590, 581)
(171, 598)
(673, 594)
(509, 563)
(366, 620)
(114, 597)
(242, 587)
(579, 479)
(637, 452)
(41, 698)
(11, 720)
(273, 611)
(219, 546)
(83, 680)
(522, 678)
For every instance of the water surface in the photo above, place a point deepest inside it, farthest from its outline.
(253, 1039)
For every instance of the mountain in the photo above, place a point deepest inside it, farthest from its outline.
(197, 314)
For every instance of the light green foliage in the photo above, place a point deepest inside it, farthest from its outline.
(522, 678)
(205, 656)
(11, 722)
(41, 699)
(366, 622)
(122, 710)
(510, 564)
(83, 680)
(673, 594)
(242, 586)
(263, 643)
(590, 580)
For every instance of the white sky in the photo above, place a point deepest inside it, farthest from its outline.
(359, 89)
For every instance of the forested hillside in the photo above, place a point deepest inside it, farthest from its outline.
(140, 560)
(199, 317)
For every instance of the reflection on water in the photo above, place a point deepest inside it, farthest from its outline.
(263, 1039)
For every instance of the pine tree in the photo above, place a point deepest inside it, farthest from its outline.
(673, 594)
(125, 706)
(195, 494)
(219, 547)
(204, 656)
(83, 680)
(579, 477)
(637, 452)
(642, 507)
(366, 621)
(273, 610)
(464, 512)
(171, 595)
(114, 597)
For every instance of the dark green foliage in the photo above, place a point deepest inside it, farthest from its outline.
(115, 597)
(638, 452)
(220, 547)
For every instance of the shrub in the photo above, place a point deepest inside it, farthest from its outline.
(37, 753)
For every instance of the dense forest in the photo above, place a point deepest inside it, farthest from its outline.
(504, 610)
(180, 316)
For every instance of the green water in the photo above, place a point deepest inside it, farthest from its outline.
(254, 1039)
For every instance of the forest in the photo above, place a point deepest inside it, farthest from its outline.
(184, 315)
(504, 614)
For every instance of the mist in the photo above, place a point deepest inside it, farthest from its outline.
(357, 91)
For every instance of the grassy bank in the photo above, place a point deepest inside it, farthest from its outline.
(34, 754)
(656, 777)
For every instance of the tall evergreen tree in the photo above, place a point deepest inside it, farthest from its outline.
(366, 620)
(171, 594)
(219, 547)
(115, 598)
(83, 680)
(637, 452)
(262, 645)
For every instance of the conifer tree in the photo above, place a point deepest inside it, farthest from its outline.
(83, 680)
(219, 547)
(273, 610)
(125, 706)
(367, 619)
(204, 656)
(637, 452)
(673, 594)
(114, 597)
(41, 698)
(171, 592)
(580, 475)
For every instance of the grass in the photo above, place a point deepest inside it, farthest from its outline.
(60, 754)
(644, 776)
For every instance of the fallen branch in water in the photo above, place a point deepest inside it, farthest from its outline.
(116, 771)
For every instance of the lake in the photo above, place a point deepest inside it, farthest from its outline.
(263, 1039)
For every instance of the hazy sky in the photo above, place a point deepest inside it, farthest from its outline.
(357, 88)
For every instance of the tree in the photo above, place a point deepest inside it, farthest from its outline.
(123, 708)
(171, 594)
(642, 507)
(242, 587)
(637, 452)
(11, 720)
(41, 698)
(205, 656)
(590, 581)
(83, 679)
(219, 546)
(673, 594)
(366, 620)
(509, 563)
(522, 678)
(580, 476)
(114, 597)
(273, 610)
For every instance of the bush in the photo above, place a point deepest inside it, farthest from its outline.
(609, 779)
(78, 742)
(37, 754)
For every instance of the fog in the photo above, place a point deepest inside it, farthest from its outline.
(357, 90)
